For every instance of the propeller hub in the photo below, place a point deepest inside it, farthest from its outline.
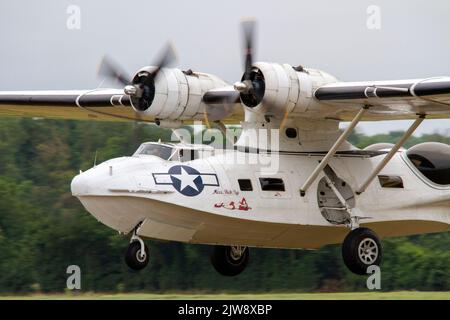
(241, 86)
(130, 90)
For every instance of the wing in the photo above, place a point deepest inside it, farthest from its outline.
(106, 104)
(389, 100)
(99, 104)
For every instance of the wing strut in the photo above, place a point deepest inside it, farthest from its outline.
(391, 153)
(332, 151)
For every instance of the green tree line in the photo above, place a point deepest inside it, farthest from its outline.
(43, 229)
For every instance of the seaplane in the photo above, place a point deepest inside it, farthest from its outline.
(289, 180)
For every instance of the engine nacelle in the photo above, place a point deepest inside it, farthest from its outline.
(174, 95)
(285, 89)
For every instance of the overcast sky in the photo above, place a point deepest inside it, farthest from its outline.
(38, 51)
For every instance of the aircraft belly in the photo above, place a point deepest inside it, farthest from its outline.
(167, 221)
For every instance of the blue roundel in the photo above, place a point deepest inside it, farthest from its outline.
(186, 180)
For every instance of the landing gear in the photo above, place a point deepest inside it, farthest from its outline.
(361, 249)
(137, 255)
(230, 260)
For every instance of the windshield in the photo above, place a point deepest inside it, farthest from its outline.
(163, 152)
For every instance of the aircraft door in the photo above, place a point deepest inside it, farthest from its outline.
(334, 197)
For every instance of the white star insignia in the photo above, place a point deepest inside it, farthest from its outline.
(186, 179)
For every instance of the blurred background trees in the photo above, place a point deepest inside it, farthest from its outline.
(43, 229)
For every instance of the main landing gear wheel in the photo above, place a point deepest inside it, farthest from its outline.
(135, 257)
(361, 249)
(230, 260)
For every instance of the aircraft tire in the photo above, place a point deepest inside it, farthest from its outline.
(361, 249)
(133, 257)
(226, 263)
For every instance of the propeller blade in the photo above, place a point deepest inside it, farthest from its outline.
(221, 96)
(111, 70)
(248, 28)
(165, 58)
(220, 103)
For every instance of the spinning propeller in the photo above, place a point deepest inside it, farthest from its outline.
(252, 85)
(141, 89)
(250, 91)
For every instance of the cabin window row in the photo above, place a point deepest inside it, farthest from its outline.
(267, 184)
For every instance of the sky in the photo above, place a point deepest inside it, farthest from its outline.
(42, 48)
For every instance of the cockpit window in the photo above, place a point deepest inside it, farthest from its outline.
(188, 155)
(163, 152)
(432, 159)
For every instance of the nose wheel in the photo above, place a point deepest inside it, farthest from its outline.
(230, 260)
(137, 254)
(361, 249)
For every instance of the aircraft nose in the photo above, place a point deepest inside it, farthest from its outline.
(79, 185)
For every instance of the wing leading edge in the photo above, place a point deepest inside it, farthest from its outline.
(389, 100)
(99, 104)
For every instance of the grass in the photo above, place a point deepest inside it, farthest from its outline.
(401, 295)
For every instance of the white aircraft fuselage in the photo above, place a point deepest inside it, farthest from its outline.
(201, 201)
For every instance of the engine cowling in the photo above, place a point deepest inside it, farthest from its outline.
(174, 94)
(278, 89)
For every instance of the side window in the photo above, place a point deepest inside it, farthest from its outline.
(188, 155)
(272, 184)
(245, 184)
(390, 181)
